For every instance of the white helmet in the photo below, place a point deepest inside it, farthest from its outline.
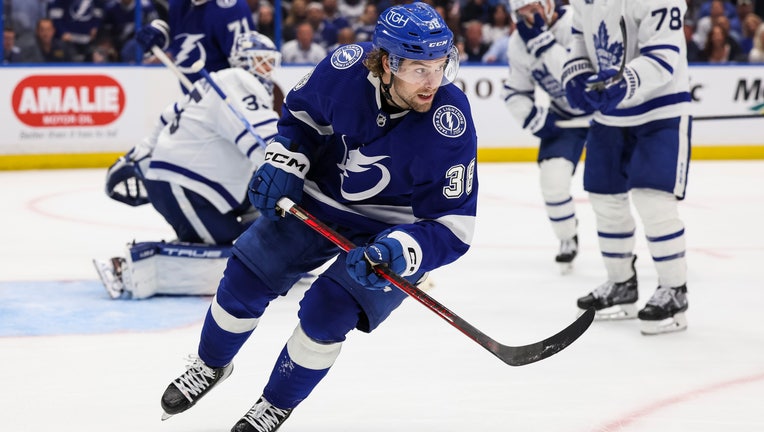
(547, 5)
(256, 53)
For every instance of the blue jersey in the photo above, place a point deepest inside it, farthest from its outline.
(371, 170)
(78, 18)
(206, 32)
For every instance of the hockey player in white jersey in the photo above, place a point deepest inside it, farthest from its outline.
(537, 50)
(638, 148)
(194, 169)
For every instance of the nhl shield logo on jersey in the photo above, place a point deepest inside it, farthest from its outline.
(226, 3)
(346, 56)
(449, 121)
(300, 84)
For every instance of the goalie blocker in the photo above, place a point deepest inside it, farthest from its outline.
(169, 268)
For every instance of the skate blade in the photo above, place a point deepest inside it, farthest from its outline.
(106, 276)
(669, 325)
(165, 416)
(616, 313)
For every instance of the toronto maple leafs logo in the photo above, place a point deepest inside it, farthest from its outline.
(548, 82)
(608, 54)
(362, 176)
(346, 56)
(449, 121)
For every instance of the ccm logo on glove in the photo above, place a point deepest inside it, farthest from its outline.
(287, 161)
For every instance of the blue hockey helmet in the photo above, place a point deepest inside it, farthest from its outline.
(416, 32)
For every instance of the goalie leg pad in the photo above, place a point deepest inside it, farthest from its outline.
(153, 268)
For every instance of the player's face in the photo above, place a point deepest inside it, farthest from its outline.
(416, 82)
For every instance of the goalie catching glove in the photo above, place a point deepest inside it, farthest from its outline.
(396, 250)
(124, 179)
(281, 175)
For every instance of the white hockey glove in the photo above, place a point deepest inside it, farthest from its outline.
(124, 179)
(541, 122)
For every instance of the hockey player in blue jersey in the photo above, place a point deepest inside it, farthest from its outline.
(638, 148)
(195, 166)
(538, 50)
(378, 143)
(199, 30)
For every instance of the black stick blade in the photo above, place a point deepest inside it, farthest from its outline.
(526, 354)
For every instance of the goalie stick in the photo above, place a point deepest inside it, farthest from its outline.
(511, 355)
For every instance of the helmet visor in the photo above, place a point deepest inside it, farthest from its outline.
(427, 73)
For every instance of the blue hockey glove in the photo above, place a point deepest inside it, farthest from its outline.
(536, 36)
(612, 91)
(157, 33)
(384, 251)
(574, 76)
(541, 122)
(281, 175)
(124, 181)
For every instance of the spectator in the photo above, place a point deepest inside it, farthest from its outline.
(333, 15)
(475, 10)
(345, 36)
(498, 26)
(324, 32)
(23, 18)
(757, 52)
(298, 13)
(302, 49)
(11, 52)
(367, 22)
(103, 50)
(719, 48)
(497, 51)
(751, 22)
(119, 23)
(76, 22)
(716, 9)
(45, 48)
(693, 51)
(474, 47)
(353, 9)
(265, 21)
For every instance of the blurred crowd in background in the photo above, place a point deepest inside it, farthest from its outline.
(102, 31)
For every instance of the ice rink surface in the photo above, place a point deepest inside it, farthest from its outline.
(74, 360)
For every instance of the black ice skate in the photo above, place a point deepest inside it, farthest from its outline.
(664, 312)
(188, 388)
(262, 417)
(613, 300)
(568, 251)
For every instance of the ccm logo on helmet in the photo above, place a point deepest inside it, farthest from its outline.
(437, 44)
(68, 100)
(396, 19)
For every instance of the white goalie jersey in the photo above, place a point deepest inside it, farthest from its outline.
(656, 54)
(202, 145)
(528, 73)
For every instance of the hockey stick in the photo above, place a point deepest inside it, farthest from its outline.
(199, 67)
(584, 122)
(511, 355)
(167, 61)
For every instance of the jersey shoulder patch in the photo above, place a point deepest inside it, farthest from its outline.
(449, 121)
(346, 56)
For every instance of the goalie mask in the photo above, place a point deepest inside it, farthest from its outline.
(417, 32)
(256, 54)
(546, 5)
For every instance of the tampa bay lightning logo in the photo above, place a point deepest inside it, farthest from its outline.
(449, 121)
(81, 11)
(608, 54)
(191, 50)
(362, 176)
(346, 56)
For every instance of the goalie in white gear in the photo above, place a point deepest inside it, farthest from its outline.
(537, 52)
(634, 76)
(194, 168)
